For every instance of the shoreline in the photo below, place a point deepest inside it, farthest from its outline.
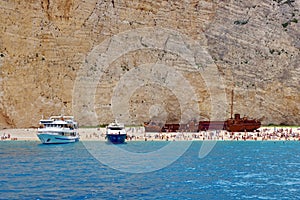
(139, 134)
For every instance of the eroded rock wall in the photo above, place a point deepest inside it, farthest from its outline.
(45, 44)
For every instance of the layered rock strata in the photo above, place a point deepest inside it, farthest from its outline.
(178, 60)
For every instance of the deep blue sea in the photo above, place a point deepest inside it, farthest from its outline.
(232, 170)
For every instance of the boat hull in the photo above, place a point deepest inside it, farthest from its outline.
(116, 138)
(56, 139)
(189, 127)
(249, 127)
(230, 125)
(211, 125)
(239, 124)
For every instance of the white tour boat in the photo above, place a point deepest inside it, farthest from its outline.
(58, 130)
(116, 133)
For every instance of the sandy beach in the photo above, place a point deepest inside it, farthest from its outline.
(138, 134)
(31, 134)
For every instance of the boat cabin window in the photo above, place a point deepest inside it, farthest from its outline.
(115, 128)
(71, 126)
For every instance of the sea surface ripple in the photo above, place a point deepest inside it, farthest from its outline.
(232, 170)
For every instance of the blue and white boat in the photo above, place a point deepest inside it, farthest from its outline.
(58, 130)
(116, 133)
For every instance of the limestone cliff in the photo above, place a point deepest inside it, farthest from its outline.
(54, 54)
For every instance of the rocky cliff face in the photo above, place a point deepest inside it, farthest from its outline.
(147, 60)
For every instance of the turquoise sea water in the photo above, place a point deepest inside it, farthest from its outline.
(232, 170)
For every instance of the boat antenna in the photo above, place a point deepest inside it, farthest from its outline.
(231, 110)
